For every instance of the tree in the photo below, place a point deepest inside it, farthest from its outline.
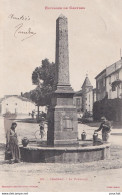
(26, 95)
(43, 77)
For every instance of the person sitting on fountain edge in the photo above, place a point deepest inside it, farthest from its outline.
(105, 127)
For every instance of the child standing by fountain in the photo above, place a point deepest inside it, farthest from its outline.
(42, 127)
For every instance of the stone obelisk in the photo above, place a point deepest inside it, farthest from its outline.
(62, 54)
(62, 123)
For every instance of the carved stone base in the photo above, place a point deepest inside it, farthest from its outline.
(62, 126)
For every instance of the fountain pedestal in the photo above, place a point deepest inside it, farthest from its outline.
(62, 123)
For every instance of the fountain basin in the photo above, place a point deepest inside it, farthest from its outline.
(65, 154)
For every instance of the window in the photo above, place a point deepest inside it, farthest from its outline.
(98, 85)
(109, 79)
(104, 82)
(117, 75)
(101, 84)
(78, 102)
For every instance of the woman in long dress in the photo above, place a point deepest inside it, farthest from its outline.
(13, 144)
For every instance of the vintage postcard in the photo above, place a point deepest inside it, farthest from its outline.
(61, 96)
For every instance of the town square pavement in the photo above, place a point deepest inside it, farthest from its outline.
(104, 175)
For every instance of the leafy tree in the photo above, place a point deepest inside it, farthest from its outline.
(26, 95)
(43, 78)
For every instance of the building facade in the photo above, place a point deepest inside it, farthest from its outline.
(16, 104)
(109, 82)
(84, 99)
(114, 80)
(86, 87)
(109, 93)
(90, 99)
(101, 85)
(77, 101)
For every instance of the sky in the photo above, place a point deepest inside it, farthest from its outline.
(95, 39)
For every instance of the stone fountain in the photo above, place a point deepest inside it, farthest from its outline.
(62, 135)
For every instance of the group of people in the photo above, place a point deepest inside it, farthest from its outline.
(12, 141)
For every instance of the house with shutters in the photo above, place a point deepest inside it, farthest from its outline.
(109, 82)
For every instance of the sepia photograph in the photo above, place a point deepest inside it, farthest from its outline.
(61, 96)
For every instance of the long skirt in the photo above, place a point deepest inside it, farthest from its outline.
(105, 136)
(14, 148)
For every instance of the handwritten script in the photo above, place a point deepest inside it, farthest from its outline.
(21, 30)
(22, 17)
